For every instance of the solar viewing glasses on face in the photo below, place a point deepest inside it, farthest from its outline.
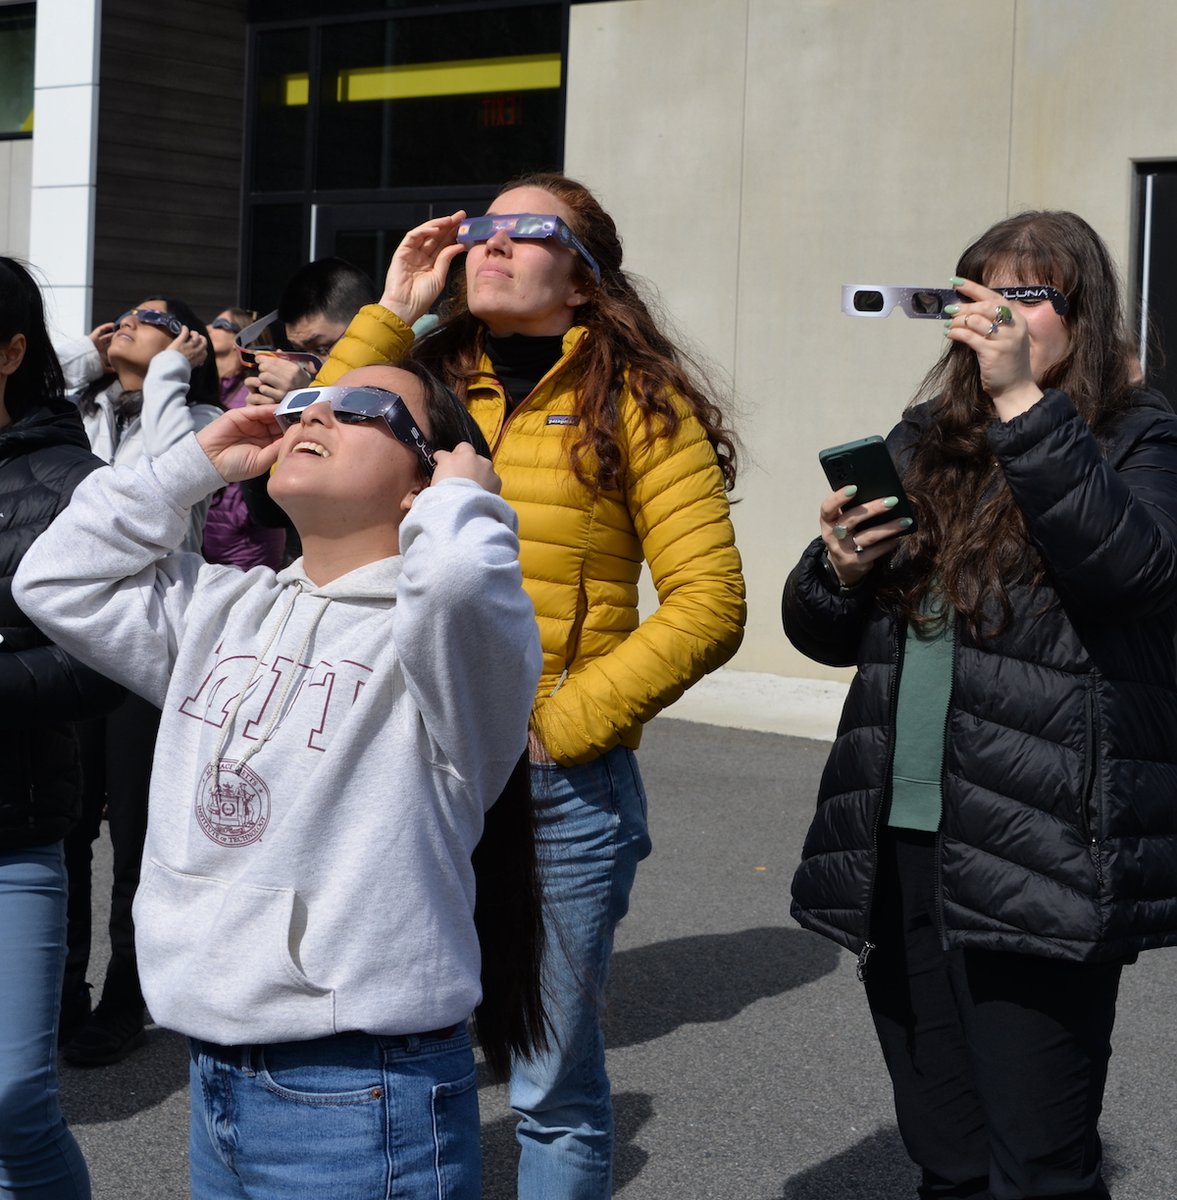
(880, 299)
(352, 405)
(250, 354)
(526, 225)
(155, 317)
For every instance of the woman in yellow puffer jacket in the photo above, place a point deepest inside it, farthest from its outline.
(611, 454)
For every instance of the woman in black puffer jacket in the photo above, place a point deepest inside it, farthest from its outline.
(996, 832)
(43, 454)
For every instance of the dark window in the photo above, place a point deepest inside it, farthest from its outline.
(1155, 282)
(17, 35)
(418, 107)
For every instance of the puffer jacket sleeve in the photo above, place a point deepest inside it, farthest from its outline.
(1107, 531)
(823, 623)
(682, 518)
(375, 336)
(44, 684)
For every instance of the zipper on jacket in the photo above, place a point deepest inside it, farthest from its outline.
(937, 879)
(1091, 775)
(898, 627)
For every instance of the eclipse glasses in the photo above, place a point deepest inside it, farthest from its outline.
(881, 299)
(353, 405)
(153, 316)
(526, 225)
(250, 354)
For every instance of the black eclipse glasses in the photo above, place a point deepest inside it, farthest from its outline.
(881, 299)
(526, 225)
(155, 317)
(353, 405)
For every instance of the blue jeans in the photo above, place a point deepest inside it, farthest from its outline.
(350, 1117)
(592, 835)
(39, 1159)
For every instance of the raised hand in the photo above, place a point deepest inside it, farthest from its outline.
(242, 442)
(417, 271)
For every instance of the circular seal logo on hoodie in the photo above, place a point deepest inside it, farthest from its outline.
(232, 804)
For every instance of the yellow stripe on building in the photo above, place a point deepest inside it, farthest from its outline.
(413, 81)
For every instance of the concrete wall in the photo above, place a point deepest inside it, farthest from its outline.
(16, 181)
(757, 154)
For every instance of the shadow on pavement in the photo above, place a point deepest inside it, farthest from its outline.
(877, 1168)
(708, 978)
(144, 1079)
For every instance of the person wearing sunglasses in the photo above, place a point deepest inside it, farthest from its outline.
(612, 450)
(995, 834)
(340, 862)
(161, 386)
(231, 533)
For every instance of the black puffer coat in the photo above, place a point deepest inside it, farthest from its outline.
(1059, 829)
(43, 456)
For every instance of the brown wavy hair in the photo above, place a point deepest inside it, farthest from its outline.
(624, 349)
(971, 542)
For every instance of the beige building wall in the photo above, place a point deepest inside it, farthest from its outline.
(16, 184)
(757, 154)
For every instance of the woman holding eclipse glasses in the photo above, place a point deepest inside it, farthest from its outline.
(326, 898)
(611, 453)
(996, 835)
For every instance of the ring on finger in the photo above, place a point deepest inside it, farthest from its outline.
(839, 531)
(993, 328)
(1004, 315)
(857, 548)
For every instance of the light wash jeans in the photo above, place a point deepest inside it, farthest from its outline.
(593, 833)
(350, 1117)
(39, 1159)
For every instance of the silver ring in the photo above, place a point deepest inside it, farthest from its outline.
(857, 548)
(993, 328)
(1004, 315)
(839, 531)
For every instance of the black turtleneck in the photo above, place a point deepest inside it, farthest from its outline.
(520, 361)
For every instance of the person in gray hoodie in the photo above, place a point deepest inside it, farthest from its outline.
(332, 738)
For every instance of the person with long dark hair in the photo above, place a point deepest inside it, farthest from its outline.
(142, 383)
(43, 457)
(323, 904)
(613, 453)
(995, 834)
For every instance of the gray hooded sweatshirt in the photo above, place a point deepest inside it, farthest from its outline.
(325, 756)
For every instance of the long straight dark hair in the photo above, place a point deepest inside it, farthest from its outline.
(38, 379)
(971, 542)
(508, 912)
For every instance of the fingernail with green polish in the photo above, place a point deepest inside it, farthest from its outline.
(906, 522)
(956, 279)
(952, 308)
(891, 501)
(851, 491)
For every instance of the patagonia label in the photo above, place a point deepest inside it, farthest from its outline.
(561, 419)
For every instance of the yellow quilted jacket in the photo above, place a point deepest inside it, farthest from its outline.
(604, 673)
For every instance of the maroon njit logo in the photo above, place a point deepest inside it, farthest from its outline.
(232, 804)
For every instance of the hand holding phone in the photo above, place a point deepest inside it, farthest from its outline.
(860, 528)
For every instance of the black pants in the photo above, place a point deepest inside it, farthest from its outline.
(998, 1061)
(117, 752)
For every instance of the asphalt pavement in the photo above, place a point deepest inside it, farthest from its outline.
(743, 1060)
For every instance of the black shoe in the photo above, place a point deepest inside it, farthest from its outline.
(107, 1037)
(75, 1012)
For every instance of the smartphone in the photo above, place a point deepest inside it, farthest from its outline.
(867, 464)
